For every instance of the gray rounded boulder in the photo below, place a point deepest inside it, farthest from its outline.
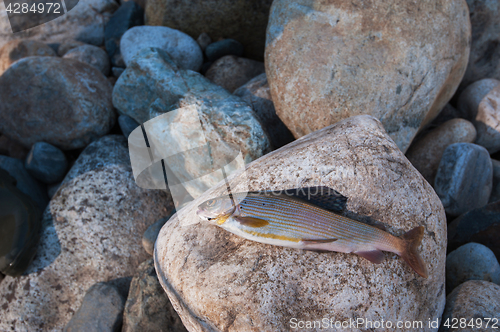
(63, 102)
(399, 61)
(218, 281)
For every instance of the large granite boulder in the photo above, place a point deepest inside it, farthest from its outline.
(244, 21)
(399, 61)
(218, 281)
(91, 232)
(63, 102)
(85, 22)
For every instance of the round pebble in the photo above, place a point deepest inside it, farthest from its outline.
(93, 55)
(223, 47)
(46, 163)
(472, 261)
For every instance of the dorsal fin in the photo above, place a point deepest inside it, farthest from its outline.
(321, 196)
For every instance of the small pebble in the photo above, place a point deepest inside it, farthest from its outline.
(474, 299)
(101, 310)
(127, 124)
(148, 307)
(204, 40)
(128, 15)
(447, 113)
(150, 235)
(257, 94)
(231, 72)
(67, 46)
(93, 55)
(18, 49)
(470, 98)
(183, 49)
(464, 178)
(25, 182)
(425, 153)
(12, 149)
(472, 261)
(46, 163)
(479, 225)
(487, 121)
(52, 189)
(222, 48)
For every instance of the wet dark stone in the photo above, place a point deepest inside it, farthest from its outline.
(223, 47)
(127, 124)
(127, 16)
(479, 225)
(19, 227)
(46, 163)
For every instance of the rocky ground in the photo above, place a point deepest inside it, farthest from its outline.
(396, 105)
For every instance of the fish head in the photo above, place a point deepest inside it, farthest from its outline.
(215, 209)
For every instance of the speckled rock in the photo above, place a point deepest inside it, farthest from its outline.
(495, 191)
(472, 299)
(244, 21)
(101, 310)
(398, 61)
(231, 72)
(425, 153)
(85, 22)
(222, 48)
(18, 49)
(470, 98)
(93, 55)
(67, 103)
(220, 282)
(472, 261)
(484, 50)
(479, 225)
(183, 50)
(150, 235)
(46, 163)
(25, 182)
(464, 178)
(91, 232)
(257, 94)
(148, 307)
(67, 46)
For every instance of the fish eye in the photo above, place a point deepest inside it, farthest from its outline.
(211, 202)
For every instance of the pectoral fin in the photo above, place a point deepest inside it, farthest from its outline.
(374, 256)
(251, 221)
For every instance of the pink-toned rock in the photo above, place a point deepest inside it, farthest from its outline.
(487, 121)
(400, 61)
(18, 49)
(218, 281)
(425, 154)
(471, 97)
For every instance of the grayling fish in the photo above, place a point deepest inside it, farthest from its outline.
(289, 221)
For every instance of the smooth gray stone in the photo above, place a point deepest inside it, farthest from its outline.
(204, 40)
(148, 307)
(127, 124)
(150, 235)
(101, 310)
(46, 163)
(223, 47)
(25, 182)
(117, 71)
(472, 261)
(464, 178)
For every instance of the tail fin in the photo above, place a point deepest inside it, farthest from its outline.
(412, 240)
